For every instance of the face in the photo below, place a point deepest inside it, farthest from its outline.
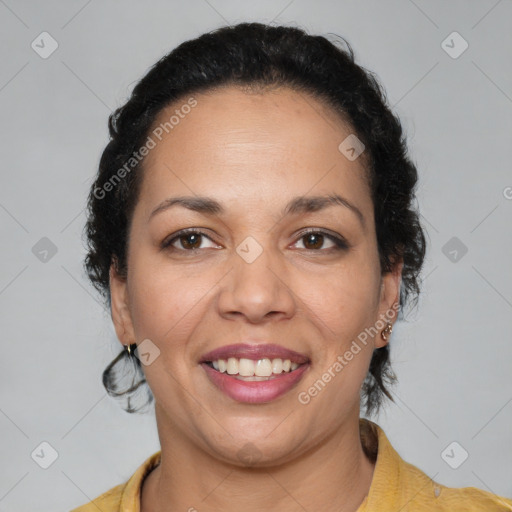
(265, 267)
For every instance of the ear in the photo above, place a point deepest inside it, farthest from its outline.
(121, 316)
(389, 298)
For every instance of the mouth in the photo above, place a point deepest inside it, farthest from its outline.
(254, 373)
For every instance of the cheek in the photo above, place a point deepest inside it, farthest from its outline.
(166, 308)
(345, 301)
(343, 307)
(165, 303)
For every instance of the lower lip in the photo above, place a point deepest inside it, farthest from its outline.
(255, 392)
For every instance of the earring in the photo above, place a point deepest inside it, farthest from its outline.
(386, 333)
(130, 349)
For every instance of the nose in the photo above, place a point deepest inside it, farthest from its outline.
(257, 290)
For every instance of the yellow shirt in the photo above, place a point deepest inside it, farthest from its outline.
(396, 486)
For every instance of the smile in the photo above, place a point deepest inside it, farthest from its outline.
(254, 373)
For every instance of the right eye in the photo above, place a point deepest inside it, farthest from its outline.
(189, 239)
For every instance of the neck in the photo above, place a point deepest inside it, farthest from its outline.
(191, 480)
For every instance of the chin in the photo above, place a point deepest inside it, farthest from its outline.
(253, 443)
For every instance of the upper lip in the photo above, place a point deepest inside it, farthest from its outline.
(255, 352)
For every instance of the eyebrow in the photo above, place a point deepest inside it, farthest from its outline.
(300, 204)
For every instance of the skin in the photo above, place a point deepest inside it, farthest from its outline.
(253, 153)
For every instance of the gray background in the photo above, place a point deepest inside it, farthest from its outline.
(453, 355)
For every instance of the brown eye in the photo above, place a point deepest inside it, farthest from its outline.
(315, 240)
(187, 241)
(190, 241)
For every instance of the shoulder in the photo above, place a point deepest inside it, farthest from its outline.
(399, 485)
(109, 501)
(125, 496)
(471, 498)
(425, 494)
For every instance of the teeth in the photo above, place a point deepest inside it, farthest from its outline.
(254, 378)
(253, 370)
(263, 368)
(277, 365)
(232, 367)
(246, 367)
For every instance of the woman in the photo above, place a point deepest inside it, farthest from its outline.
(252, 229)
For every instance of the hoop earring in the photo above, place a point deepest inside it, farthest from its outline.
(386, 332)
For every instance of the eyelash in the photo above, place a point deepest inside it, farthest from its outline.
(340, 243)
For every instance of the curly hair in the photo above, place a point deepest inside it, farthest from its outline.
(259, 56)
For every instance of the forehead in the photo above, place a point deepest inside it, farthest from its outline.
(256, 145)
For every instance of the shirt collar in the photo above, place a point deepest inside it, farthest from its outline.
(386, 474)
(130, 497)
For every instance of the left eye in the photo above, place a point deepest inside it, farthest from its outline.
(314, 240)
